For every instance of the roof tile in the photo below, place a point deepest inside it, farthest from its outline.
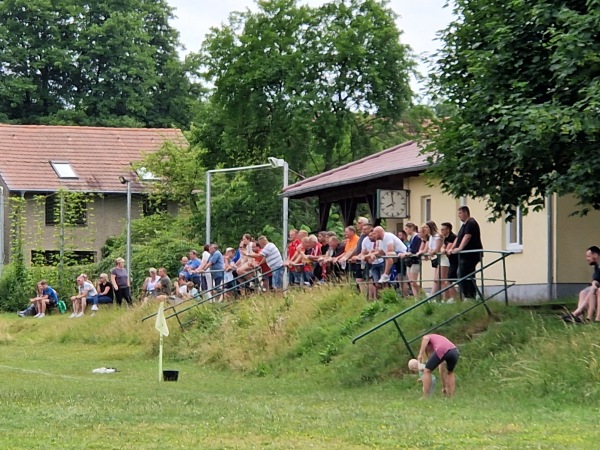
(99, 156)
(402, 158)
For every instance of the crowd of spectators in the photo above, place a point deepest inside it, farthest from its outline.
(376, 258)
(370, 256)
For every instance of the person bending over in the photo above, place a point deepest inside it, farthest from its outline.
(442, 353)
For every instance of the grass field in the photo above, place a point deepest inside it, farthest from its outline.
(525, 381)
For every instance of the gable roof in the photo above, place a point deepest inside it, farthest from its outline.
(98, 156)
(403, 158)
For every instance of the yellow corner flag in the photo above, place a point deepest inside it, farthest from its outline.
(161, 322)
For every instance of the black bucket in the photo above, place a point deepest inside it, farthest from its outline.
(170, 375)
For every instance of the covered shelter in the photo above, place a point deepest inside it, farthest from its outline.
(359, 181)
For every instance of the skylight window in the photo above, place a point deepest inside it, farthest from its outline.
(64, 170)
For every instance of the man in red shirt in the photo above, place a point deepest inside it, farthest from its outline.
(295, 271)
(293, 243)
(440, 350)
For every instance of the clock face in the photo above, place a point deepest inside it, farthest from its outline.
(392, 204)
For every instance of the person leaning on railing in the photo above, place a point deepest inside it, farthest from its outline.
(392, 247)
(410, 258)
(376, 263)
(448, 262)
(360, 266)
(331, 269)
(434, 247)
(469, 238)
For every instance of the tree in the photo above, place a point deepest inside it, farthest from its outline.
(525, 79)
(104, 62)
(178, 168)
(303, 83)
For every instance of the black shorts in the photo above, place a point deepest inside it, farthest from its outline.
(450, 357)
(453, 272)
(400, 267)
(357, 270)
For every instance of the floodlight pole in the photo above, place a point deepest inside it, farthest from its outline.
(280, 162)
(286, 174)
(1, 229)
(127, 181)
(128, 255)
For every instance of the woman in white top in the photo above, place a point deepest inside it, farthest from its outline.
(149, 286)
(431, 247)
(206, 275)
(435, 247)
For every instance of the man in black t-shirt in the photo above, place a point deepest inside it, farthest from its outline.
(469, 238)
(452, 259)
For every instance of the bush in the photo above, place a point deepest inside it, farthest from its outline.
(15, 288)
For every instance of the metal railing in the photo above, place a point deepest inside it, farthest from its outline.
(209, 295)
(480, 301)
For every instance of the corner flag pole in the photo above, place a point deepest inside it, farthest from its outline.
(160, 357)
(163, 330)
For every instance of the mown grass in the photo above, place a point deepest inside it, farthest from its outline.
(275, 373)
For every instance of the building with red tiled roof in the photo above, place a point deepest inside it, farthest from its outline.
(361, 181)
(396, 189)
(405, 158)
(38, 161)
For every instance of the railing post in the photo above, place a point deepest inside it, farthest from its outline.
(404, 339)
(505, 281)
(420, 274)
(482, 277)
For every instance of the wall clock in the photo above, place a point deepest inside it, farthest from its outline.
(392, 204)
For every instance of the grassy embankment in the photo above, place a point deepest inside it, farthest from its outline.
(271, 373)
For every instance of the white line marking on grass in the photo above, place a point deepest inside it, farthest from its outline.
(48, 374)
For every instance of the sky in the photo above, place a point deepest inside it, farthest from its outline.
(420, 20)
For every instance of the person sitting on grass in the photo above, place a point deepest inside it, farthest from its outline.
(106, 293)
(164, 286)
(149, 285)
(589, 298)
(32, 310)
(181, 287)
(442, 353)
(87, 291)
(46, 297)
(192, 292)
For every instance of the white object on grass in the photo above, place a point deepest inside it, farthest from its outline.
(104, 370)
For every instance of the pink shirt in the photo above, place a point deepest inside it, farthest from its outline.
(439, 344)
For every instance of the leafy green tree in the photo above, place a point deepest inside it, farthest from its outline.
(104, 62)
(298, 82)
(525, 78)
(180, 171)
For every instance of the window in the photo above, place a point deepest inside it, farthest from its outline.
(52, 257)
(514, 232)
(72, 214)
(153, 206)
(64, 170)
(425, 209)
